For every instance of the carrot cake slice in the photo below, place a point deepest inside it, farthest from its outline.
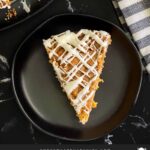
(78, 59)
(5, 4)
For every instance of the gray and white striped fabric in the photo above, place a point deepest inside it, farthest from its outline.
(134, 15)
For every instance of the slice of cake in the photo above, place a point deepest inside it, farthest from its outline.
(78, 59)
(5, 4)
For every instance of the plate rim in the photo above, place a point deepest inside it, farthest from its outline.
(26, 18)
(15, 91)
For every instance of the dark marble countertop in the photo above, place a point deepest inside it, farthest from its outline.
(16, 129)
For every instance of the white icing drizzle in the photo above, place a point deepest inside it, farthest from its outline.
(72, 45)
(58, 71)
(4, 4)
(70, 86)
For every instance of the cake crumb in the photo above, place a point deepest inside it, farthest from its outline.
(11, 13)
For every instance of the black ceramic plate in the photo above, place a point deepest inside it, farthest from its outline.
(41, 98)
(24, 9)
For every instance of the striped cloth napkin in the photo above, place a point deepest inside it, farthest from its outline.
(134, 15)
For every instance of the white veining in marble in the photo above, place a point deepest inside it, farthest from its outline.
(142, 148)
(5, 100)
(5, 80)
(70, 7)
(4, 60)
(132, 137)
(8, 125)
(140, 122)
(122, 124)
(32, 132)
(107, 140)
(26, 7)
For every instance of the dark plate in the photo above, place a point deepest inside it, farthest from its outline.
(39, 94)
(34, 6)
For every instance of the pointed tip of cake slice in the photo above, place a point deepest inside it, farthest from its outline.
(83, 116)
